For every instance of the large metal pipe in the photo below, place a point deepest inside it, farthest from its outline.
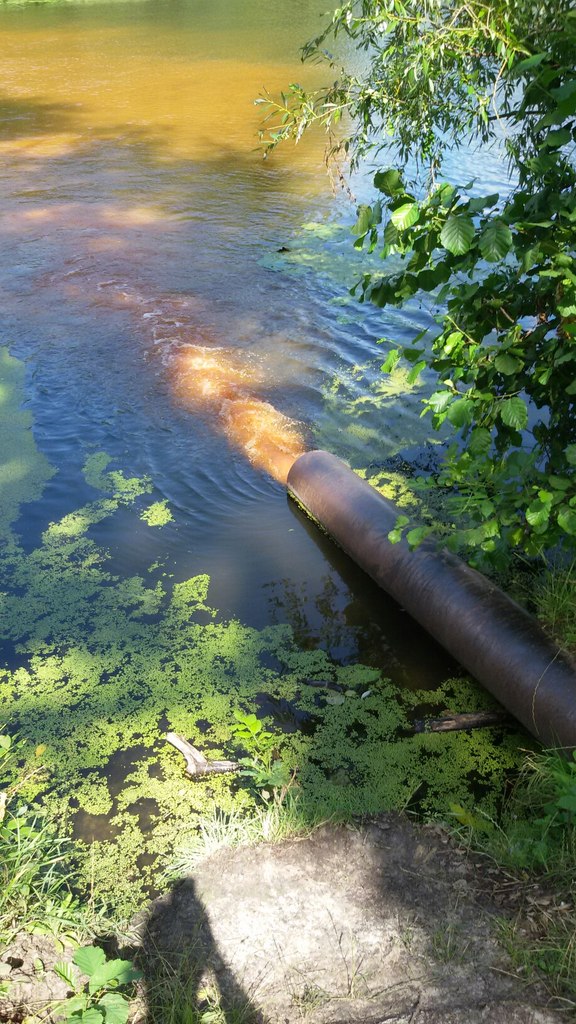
(498, 642)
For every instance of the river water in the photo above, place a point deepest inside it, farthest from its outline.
(182, 305)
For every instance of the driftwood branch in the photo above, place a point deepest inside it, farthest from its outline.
(196, 763)
(472, 720)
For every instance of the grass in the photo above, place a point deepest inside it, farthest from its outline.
(545, 801)
(35, 876)
(534, 838)
(273, 822)
(535, 842)
(185, 988)
(555, 598)
(449, 945)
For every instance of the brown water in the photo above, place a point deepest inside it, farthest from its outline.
(182, 304)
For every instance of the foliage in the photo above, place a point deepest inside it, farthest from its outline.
(35, 894)
(501, 267)
(539, 820)
(270, 776)
(554, 595)
(157, 514)
(535, 838)
(99, 1000)
(183, 988)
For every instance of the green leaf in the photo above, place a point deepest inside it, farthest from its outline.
(461, 412)
(538, 514)
(116, 1007)
(364, 220)
(405, 216)
(440, 400)
(480, 441)
(564, 91)
(89, 958)
(559, 137)
(430, 278)
(528, 63)
(495, 241)
(390, 234)
(481, 202)
(507, 364)
(559, 483)
(514, 413)
(76, 1005)
(567, 308)
(466, 817)
(570, 453)
(91, 1016)
(389, 182)
(417, 535)
(120, 971)
(67, 973)
(391, 361)
(567, 802)
(457, 234)
(567, 520)
(395, 535)
(416, 371)
(250, 723)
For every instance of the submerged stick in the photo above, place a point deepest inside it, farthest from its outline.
(467, 720)
(196, 763)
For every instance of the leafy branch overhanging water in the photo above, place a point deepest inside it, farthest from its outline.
(499, 267)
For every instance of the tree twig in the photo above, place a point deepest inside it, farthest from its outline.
(196, 763)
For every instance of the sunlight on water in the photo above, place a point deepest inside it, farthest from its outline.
(168, 104)
(39, 147)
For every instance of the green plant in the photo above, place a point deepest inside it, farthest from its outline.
(181, 988)
(35, 891)
(499, 267)
(99, 1000)
(536, 829)
(534, 839)
(448, 944)
(554, 595)
(548, 954)
(540, 817)
(269, 775)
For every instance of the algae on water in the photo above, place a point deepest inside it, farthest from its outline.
(23, 469)
(102, 666)
(157, 514)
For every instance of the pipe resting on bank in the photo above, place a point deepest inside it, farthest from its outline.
(491, 636)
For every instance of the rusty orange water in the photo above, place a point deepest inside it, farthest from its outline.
(218, 379)
(206, 376)
(180, 97)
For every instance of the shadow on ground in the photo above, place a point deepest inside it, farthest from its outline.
(186, 979)
(382, 923)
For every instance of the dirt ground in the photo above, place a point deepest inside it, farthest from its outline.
(387, 922)
(384, 923)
